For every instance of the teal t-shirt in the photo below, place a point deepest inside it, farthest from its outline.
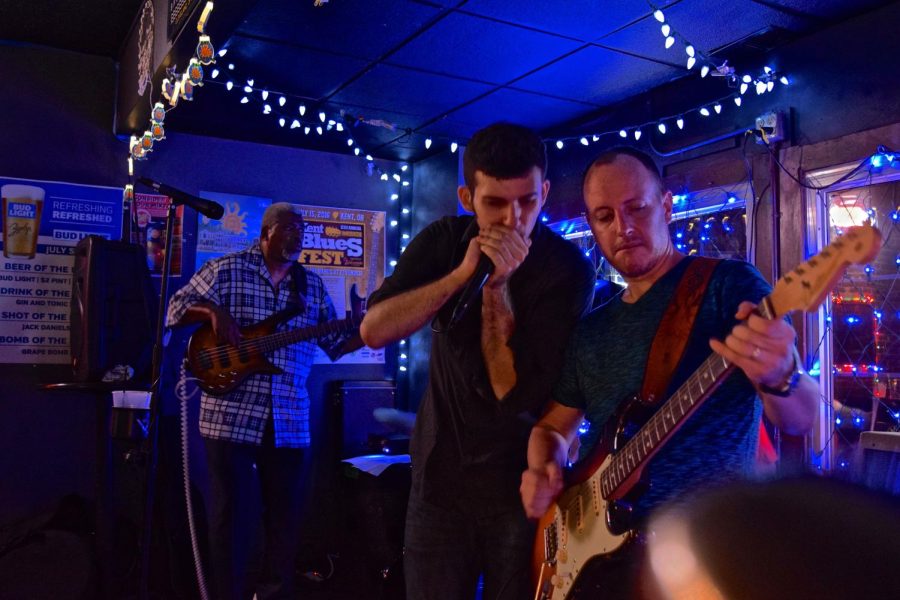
(604, 366)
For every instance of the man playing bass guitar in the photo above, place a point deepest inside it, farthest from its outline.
(254, 435)
(629, 210)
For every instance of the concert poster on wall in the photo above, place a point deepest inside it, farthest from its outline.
(150, 220)
(42, 221)
(345, 247)
(235, 231)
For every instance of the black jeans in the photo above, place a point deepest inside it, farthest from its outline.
(446, 551)
(253, 486)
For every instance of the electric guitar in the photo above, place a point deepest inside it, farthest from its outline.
(591, 516)
(220, 368)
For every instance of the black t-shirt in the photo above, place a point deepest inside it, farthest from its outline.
(469, 448)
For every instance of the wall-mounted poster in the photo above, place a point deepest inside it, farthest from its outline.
(235, 231)
(42, 221)
(345, 247)
(150, 218)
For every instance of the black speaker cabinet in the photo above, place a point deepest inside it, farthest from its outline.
(881, 451)
(113, 311)
(354, 403)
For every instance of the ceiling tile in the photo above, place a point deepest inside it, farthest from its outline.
(296, 71)
(581, 19)
(827, 9)
(481, 49)
(410, 92)
(707, 25)
(598, 76)
(361, 28)
(534, 110)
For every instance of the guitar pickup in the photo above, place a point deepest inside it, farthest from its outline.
(550, 542)
(579, 513)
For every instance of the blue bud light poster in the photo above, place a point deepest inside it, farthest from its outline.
(42, 221)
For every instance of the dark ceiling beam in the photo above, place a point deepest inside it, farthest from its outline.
(133, 110)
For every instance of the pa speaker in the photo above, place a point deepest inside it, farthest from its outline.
(113, 317)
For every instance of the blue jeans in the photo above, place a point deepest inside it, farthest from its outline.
(446, 551)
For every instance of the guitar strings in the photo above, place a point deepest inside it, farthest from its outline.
(259, 344)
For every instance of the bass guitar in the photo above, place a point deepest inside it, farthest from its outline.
(591, 517)
(220, 368)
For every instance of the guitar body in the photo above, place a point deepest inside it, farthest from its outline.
(221, 372)
(581, 524)
(220, 368)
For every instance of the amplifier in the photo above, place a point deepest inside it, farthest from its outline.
(354, 403)
(881, 464)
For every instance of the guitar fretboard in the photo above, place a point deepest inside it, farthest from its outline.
(663, 424)
(278, 340)
(274, 341)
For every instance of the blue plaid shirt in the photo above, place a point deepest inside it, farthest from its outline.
(241, 283)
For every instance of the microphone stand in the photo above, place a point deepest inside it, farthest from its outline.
(150, 449)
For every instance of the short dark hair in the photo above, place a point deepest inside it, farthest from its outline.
(609, 156)
(504, 151)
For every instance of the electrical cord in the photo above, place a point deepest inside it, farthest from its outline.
(879, 150)
(181, 391)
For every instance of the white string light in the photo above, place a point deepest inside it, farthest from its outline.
(763, 83)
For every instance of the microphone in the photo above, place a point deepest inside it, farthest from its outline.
(207, 208)
(479, 278)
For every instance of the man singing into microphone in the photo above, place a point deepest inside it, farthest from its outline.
(491, 369)
(255, 435)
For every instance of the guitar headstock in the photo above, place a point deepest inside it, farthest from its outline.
(806, 286)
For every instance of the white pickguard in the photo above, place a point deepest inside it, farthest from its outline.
(580, 532)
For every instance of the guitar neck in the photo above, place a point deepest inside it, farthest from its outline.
(635, 454)
(274, 341)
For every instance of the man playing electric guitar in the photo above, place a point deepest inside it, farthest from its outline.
(629, 210)
(254, 435)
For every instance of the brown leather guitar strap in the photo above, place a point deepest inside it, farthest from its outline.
(675, 328)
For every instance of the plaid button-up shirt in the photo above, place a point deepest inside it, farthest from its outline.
(241, 283)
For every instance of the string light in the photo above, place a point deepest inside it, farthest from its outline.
(764, 81)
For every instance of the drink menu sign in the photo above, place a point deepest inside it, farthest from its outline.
(42, 221)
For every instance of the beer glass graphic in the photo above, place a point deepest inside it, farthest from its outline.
(22, 207)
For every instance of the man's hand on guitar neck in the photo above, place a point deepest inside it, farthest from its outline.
(766, 351)
(223, 324)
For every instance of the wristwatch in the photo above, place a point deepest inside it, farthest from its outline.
(786, 387)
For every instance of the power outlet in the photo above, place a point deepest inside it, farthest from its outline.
(772, 124)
